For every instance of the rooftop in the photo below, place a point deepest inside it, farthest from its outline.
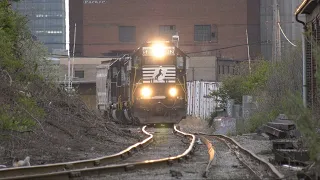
(306, 7)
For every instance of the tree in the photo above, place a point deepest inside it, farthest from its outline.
(20, 57)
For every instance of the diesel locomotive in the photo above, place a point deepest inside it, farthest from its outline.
(145, 87)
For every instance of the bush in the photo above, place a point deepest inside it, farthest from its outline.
(244, 83)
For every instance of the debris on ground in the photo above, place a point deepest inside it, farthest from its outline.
(67, 131)
(288, 147)
(176, 174)
(20, 163)
(225, 125)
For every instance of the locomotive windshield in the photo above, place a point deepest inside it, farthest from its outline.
(159, 54)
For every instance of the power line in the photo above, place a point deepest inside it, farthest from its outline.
(228, 47)
(286, 36)
(185, 43)
(216, 49)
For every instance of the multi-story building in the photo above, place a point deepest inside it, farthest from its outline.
(212, 28)
(115, 27)
(48, 21)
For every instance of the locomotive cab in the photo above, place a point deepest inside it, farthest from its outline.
(158, 83)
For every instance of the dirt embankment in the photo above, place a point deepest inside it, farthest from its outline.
(67, 131)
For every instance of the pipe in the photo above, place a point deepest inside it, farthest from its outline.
(304, 73)
(304, 68)
(303, 23)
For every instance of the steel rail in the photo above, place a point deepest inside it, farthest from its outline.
(113, 168)
(274, 171)
(9, 173)
(211, 153)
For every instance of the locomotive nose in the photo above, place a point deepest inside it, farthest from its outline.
(159, 109)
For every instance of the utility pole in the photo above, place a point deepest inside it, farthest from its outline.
(276, 45)
(248, 47)
(69, 72)
(74, 49)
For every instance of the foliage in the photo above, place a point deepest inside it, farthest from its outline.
(20, 58)
(244, 83)
(278, 89)
(307, 123)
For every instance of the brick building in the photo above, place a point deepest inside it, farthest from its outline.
(112, 27)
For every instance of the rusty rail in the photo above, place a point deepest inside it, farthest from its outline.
(9, 173)
(88, 171)
(269, 166)
(211, 153)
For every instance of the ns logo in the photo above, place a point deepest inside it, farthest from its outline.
(158, 75)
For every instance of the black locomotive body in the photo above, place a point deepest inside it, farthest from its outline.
(148, 86)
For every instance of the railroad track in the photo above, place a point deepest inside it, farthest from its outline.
(258, 166)
(107, 164)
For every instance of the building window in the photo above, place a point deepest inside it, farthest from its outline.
(214, 33)
(167, 31)
(127, 33)
(79, 74)
(205, 33)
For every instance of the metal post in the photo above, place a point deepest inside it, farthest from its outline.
(74, 48)
(69, 70)
(276, 32)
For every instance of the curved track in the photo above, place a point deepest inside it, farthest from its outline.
(258, 166)
(98, 165)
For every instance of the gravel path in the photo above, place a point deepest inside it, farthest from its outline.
(226, 164)
(260, 146)
(263, 148)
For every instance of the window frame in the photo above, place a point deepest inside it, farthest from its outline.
(77, 71)
(211, 36)
(123, 39)
(166, 31)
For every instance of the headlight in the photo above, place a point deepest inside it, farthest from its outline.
(173, 92)
(158, 50)
(146, 92)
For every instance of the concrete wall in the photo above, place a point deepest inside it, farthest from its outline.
(202, 68)
(88, 65)
(86, 87)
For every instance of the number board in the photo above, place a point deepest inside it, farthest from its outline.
(147, 51)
